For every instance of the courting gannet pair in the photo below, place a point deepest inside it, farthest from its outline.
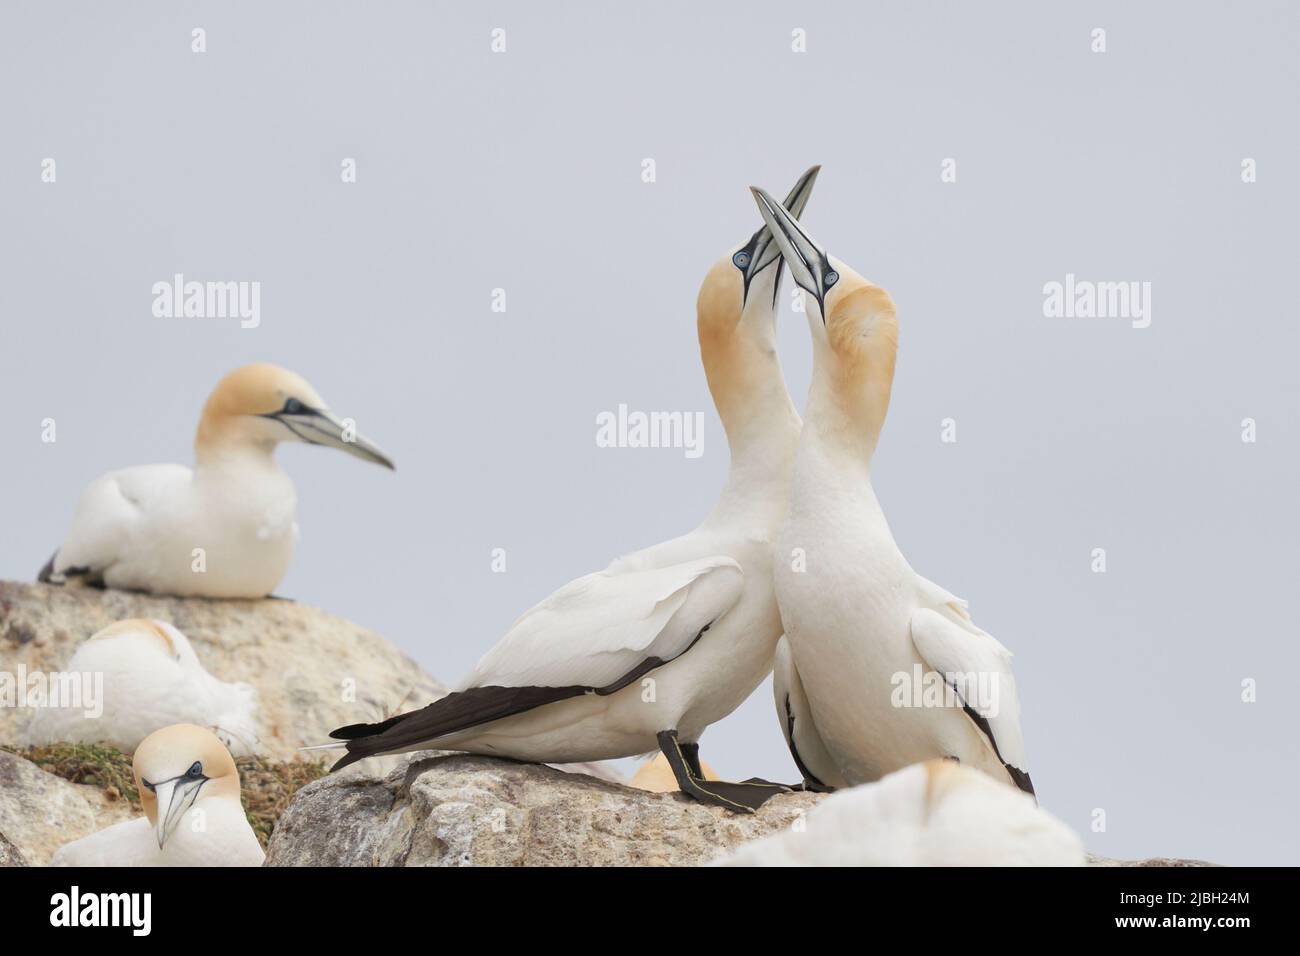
(151, 679)
(189, 787)
(224, 529)
(936, 813)
(666, 641)
(857, 617)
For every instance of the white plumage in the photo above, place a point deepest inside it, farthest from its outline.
(871, 640)
(931, 814)
(226, 528)
(152, 678)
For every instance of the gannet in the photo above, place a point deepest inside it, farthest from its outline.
(225, 529)
(656, 775)
(190, 791)
(936, 813)
(818, 767)
(649, 652)
(151, 678)
(863, 627)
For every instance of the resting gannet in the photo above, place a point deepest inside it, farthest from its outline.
(664, 642)
(225, 529)
(936, 813)
(190, 790)
(893, 668)
(656, 775)
(151, 678)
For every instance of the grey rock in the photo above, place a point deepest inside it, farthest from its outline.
(457, 810)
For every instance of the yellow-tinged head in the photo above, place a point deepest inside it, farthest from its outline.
(736, 310)
(262, 405)
(176, 765)
(855, 318)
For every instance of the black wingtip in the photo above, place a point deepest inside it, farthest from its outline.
(357, 731)
(47, 572)
(1021, 780)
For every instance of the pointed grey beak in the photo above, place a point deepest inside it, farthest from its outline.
(760, 252)
(808, 262)
(174, 798)
(320, 426)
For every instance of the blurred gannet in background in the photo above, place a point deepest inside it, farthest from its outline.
(656, 775)
(862, 625)
(140, 528)
(190, 790)
(664, 642)
(152, 679)
(937, 813)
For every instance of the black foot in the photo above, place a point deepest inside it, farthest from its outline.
(736, 797)
(691, 753)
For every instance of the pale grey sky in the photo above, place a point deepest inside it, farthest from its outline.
(522, 171)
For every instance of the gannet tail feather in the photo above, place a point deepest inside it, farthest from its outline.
(457, 711)
(47, 572)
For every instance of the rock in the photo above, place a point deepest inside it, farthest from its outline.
(313, 671)
(40, 812)
(9, 855)
(461, 810)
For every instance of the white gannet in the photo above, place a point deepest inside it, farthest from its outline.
(151, 678)
(893, 668)
(189, 787)
(937, 813)
(664, 642)
(225, 529)
(818, 767)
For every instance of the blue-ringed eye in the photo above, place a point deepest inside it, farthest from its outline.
(294, 407)
(196, 770)
(741, 259)
(831, 278)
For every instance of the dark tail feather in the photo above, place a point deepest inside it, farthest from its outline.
(457, 711)
(47, 572)
(1021, 780)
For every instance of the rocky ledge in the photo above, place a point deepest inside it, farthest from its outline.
(456, 810)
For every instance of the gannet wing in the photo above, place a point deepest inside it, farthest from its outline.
(107, 513)
(129, 843)
(952, 645)
(596, 634)
(794, 714)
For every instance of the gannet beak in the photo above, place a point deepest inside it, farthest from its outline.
(320, 426)
(808, 262)
(175, 796)
(760, 252)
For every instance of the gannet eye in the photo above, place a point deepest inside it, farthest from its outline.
(294, 407)
(831, 278)
(741, 259)
(196, 769)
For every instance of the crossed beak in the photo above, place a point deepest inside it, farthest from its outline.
(320, 426)
(174, 798)
(808, 262)
(760, 252)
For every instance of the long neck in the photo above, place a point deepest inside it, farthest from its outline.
(227, 441)
(761, 422)
(849, 398)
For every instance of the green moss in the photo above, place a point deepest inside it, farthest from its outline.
(266, 786)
